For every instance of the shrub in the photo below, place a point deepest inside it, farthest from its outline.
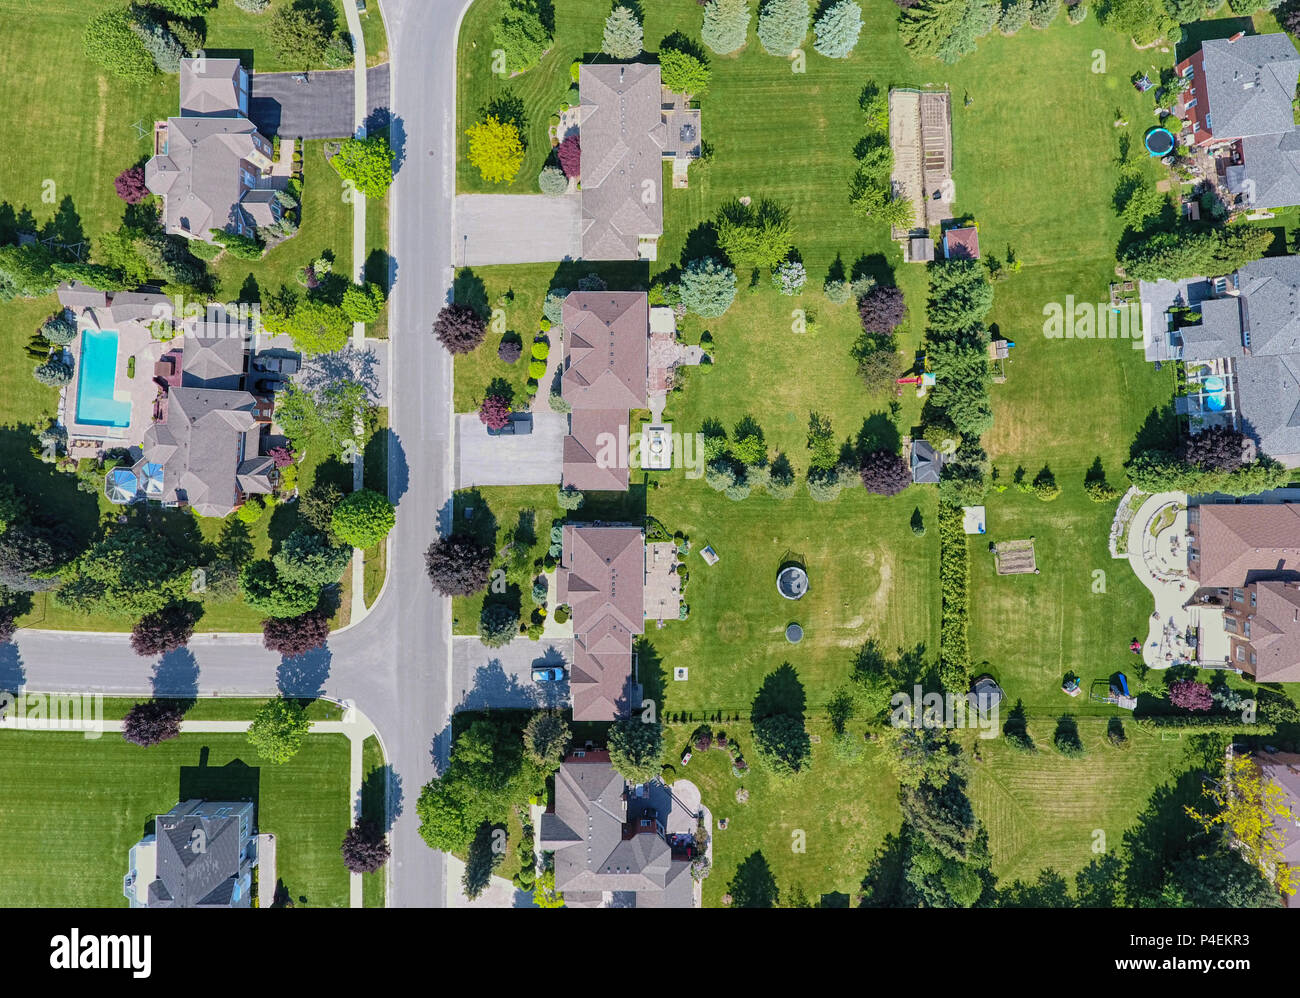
(253, 6)
(522, 32)
(782, 25)
(708, 287)
(836, 290)
(152, 722)
(569, 498)
(295, 636)
(239, 246)
(552, 181)
(1045, 486)
(300, 34)
(553, 306)
(363, 302)
(954, 581)
(458, 565)
(278, 730)
(624, 36)
(559, 403)
(367, 162)
(363, 518)
(569, 153)
(365, 848)
(510, 351)
(837, 29)
(205, 250)
(494, 412)
(496, 149)
(1014, 16)
(790, 277)
(882, 310)
(130, 185)
(1190, 695)
(163, 630)
(683, 73)
(1075, 13)
(1066, 739)
(459, 328)
(109, 41)
(497, 624)
(1100, 491)
(59, 329)
(307, 557)
(162, 45)
(726, 25)
(536, 369)
(885, 473)
(266, 592)
(54, 373)
(1044, 12)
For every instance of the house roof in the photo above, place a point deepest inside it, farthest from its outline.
(1275, 632)
(208, 448)
(1270, 172)
(607, 349)
(1240, 543)
(623, 139)
(1250, 83)
(962, 244)
(201, 177)
(1270, 296)
(596, 851)
(602, 578)
(926, 463)
(1283, 768)
(198, 878)
(1268, 401)
(587, 454)
(213, 362)
(213, 87)
(601, 674)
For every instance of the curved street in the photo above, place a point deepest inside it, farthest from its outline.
(395, 663)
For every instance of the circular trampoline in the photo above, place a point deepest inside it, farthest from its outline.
(1159, 142)
(792, 582)
(794, 634)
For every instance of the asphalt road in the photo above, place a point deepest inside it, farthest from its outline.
(395, 664)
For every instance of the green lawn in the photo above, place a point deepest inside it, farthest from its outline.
(373, 808)
(372, 31)
(225, 708)
(73, 807)
(232, 32)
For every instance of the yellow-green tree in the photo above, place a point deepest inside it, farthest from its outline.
(1250, 807)
(496, 148)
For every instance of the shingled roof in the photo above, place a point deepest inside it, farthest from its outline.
(623, 137)
(1250, 83)
(1275, 632)
(1241, 543)
(208, 877)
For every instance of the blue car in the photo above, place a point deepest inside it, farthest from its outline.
(551, 675)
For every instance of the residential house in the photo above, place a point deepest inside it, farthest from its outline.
(1263, 624)
(1239, 336)
(1283, 769)
(611, 844)
(630, 123)
(605, 373)
(602, 576)
(927, 463)
(209, 448)
(200, 855)
(1239, 96)
(211, 165)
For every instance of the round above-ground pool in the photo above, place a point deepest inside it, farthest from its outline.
(792, 582)
(1159, 141)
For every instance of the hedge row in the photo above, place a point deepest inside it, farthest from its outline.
(954, 584)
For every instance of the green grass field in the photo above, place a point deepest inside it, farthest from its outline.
(374, 885)
(75, 806)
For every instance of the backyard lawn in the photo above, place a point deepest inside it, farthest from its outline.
(73, 807)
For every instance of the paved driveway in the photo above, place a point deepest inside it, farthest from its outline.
(535, 458)
(516, 228)
(318, 109)
(485, 677)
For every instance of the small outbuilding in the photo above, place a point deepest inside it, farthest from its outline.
(986, 694)
(961, 244)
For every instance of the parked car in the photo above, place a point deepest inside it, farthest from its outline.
(551, 675)
(521, 424)
(269, 386)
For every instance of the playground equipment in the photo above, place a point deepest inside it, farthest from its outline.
(1071, 686)
(1159, 142)
(1115, 692)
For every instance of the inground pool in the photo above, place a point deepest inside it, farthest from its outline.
(1216, 394)
(96, 405)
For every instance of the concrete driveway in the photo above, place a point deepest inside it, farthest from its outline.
(484, 678)
(535, 458)
(320, 108)
(516, 228)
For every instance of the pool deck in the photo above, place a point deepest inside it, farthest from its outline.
(140, 391)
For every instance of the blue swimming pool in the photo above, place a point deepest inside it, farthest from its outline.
(97, 375)
(1216, 392)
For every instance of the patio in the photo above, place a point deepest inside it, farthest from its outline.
(1157, 552)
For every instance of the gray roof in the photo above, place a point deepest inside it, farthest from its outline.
(593, 855)
(208, 447)
(201, 179)
(623, 138)
(1250, 84)
(1268, 398)
(220, 90)
(1219, 332)
(1270, 295)
(1271, 171)
(926, 463)
(213, 362)
(201, 877)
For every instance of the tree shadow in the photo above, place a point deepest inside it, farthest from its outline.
(235, 781)
(380, 797)
(303, 676)
(878, 433)
(468, 289)
(471, 515)
(650, 671)
(781, 693)
(1158, 432)
(176, 675)
(883, 885)
(753, 885)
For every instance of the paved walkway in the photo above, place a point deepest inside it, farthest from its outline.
(355, 725)
(1160, 563)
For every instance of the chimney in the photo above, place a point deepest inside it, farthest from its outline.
(1233, 38)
